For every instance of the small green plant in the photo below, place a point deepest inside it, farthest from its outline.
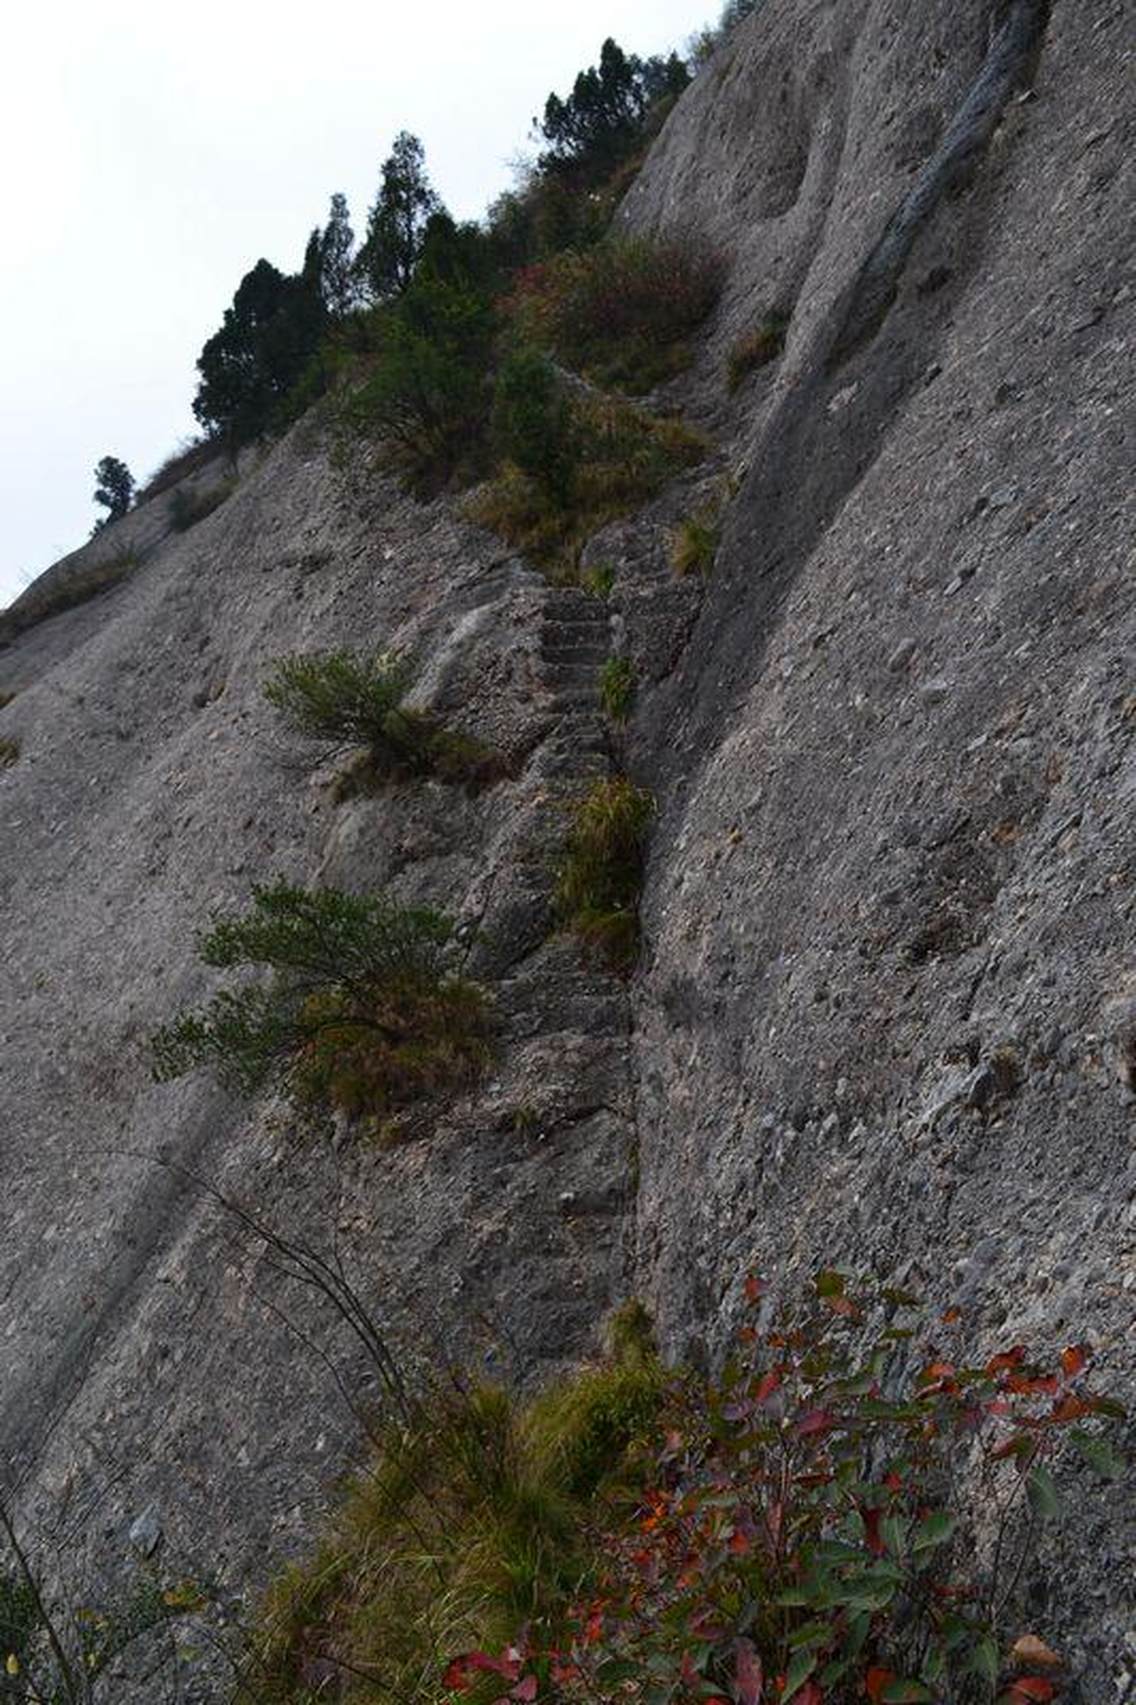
(472, 1518)
(617, 688)
(9, 753)
(363, 1009)
(599, 579)
(694, 544)
(757, 348)
(597, 886)
(624, 456)
(620, 312)
(834, 1520)
(345, 699)
(186, 508)
(6, 698)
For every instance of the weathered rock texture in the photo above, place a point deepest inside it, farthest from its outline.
(887, 1009)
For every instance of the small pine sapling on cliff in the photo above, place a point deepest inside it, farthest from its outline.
(347, 699)
(363, 1009)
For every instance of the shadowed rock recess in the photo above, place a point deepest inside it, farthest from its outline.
(885, 1010)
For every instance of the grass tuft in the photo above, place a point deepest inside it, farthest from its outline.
(757, 348)
(598, 883)
(186, 508)
(694, 544)
(469, 1521)
(9, 753)
(617, 688)
(623, 457)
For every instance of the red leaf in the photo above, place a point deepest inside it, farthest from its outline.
(766, 1386)
(842, 1305)
(527, 1690)
(951, 1316)
(1006, 1359)
(1074, 1359)
(1070, 1408)
(872, 1530)
(875, 1681)
(938, 1370)
(461, 1671)
(755, 1288)
(749, 1675)
(809, 1694)
(815, 1421)
(1031, 1690)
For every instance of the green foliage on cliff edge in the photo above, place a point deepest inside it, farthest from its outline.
(360, 1006)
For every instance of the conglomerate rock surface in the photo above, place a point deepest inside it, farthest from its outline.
(886, 1010)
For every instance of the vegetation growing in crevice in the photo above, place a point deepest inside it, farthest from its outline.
(344, 699)
(600, 876)
(694, 544)
(363, 1008)
(186, 508)
(623, 456)
(470, 1520)
(845, 1514)
(617, 688)
(9, 753)
(620, 313)
(756, 348)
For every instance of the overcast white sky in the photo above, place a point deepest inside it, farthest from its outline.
(151, 153)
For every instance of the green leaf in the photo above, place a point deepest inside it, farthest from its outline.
(1041, 1490)
(810, 1634)
(1101, 1457)
(906, 1693)
(830, 1283)
(984, 1659)
(800, 1670)
(937, 1528)
(893, 1532)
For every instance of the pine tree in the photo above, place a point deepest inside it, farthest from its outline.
(396, 224)
(337, 277)
(115, 489)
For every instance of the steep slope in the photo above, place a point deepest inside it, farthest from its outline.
(885, 1012)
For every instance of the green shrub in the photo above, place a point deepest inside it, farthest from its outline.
(362, 1011)
(620, 312)
(835, 1516)
(756, 349)
(346, 698)
(532, 421)
(469, 1521)
(623, 457)
(694, 543)
(598, 883)
(427, 399)
(617, 688)
(186, 508)
(9, 753)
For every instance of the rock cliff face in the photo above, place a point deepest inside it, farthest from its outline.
(887, 1006)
